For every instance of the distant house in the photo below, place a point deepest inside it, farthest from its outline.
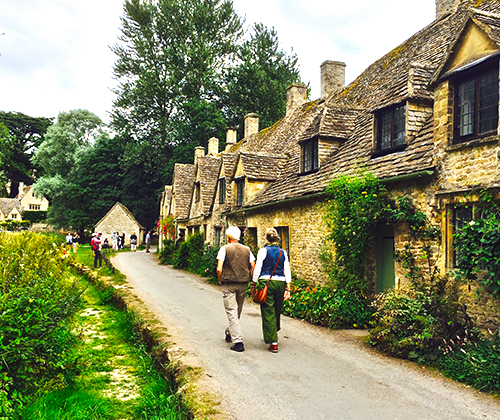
(119, 219)
(29, 200)
(10, 209)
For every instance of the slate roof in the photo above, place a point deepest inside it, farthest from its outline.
(407, 72)
(208, 175)
(8, 204)
(260, 167)
(182, 189)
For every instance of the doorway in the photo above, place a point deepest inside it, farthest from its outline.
(386, 277)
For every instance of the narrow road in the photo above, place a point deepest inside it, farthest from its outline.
(317, 374)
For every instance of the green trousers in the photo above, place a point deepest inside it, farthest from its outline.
(271, 311)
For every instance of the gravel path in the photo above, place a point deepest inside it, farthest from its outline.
(317, 374)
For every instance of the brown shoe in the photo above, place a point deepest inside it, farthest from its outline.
(273, 348)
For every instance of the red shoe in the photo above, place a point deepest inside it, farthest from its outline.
(273, 348)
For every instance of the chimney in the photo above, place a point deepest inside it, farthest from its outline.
(21, 190)
(296, 95)
(446, 7)
(198, 152)
(230, 137)
(332, 77)
(251, 124)
(213, 146)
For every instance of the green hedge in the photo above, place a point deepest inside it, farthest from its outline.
(34, 216)
(38, 297)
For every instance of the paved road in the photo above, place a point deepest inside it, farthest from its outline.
(317, 374)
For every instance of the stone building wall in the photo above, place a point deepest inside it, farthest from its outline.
(119, 221)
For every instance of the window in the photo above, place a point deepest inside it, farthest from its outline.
(476, 106)
(310, 161)
(34, 206)
(240, 191)
(222, 190)
(391, 125)
(218, 236)
(284, 234)
(461, 215)
(13, 216)
(197, 192)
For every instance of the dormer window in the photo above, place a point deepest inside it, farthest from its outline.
(222, 190)
(240, 191)
(476, 105)
(310, 161)
(391, 133)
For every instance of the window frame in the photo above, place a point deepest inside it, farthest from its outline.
(311, 145)
(393, 131)
(475, 75)
(222, 190)
(240, 191)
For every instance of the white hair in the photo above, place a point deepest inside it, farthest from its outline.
(233, 232)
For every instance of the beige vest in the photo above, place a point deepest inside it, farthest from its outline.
(236, 267)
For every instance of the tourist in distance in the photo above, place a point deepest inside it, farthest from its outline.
(148, 241)
(272, 257)
(235, 265)
(133, 242)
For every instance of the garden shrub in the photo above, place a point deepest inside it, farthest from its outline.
(38, 297)
(474, 363)
(34, 216)
(332, 308)
(167, 252)
(208, 266)
(180, 259)
(195, 250)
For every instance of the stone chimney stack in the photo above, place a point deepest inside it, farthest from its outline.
(446, 7)
(230, 137)
(198, 153)
(21, 190)
(251, 124)
(213, 146)
(296, 95)
(332, 77)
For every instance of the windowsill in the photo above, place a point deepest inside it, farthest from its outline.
(309, 172)
(474, 143)
(385, 152)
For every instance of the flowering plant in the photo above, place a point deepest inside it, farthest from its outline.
(166, 225)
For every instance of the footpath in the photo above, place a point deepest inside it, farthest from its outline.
(317, 373)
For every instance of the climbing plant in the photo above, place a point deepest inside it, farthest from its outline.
(477, 245)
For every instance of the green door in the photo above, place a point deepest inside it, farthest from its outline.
(385, 257)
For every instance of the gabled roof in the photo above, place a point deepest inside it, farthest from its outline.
(8, 204)
(207, 174)
(127, 212)
(260, 167)
(182, 189)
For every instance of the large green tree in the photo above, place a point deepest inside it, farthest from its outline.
(25, 135)
(258, 81)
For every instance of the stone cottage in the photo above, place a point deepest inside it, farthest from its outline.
(119, 219)
(11, 209)
(423, 119)
(29, 200)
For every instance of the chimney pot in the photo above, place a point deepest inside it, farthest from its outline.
(251, 124)
(296, 95)
(199, 151)
(230, 137)
(213, 146)
(332, 77)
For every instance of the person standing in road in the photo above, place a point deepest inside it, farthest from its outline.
(148, 241)
(133, 242)
(235, 265)
(270, 258)
(114, 240)
(96, 245)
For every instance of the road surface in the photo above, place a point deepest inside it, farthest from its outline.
(317, 373)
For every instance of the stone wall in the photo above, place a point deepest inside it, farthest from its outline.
(119, 221)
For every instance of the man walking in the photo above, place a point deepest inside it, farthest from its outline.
(235, 264)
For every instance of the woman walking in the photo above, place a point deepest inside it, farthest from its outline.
(272, 262)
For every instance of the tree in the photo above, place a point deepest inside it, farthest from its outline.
(65, 145)
(26, 134)
(171, 53)
(259, 80)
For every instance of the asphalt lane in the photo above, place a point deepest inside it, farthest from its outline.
(317, 373)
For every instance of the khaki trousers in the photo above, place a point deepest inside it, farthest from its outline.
(233, 295)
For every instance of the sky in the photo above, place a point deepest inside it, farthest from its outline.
(56, 57)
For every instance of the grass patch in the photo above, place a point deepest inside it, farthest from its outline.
(114, 377)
